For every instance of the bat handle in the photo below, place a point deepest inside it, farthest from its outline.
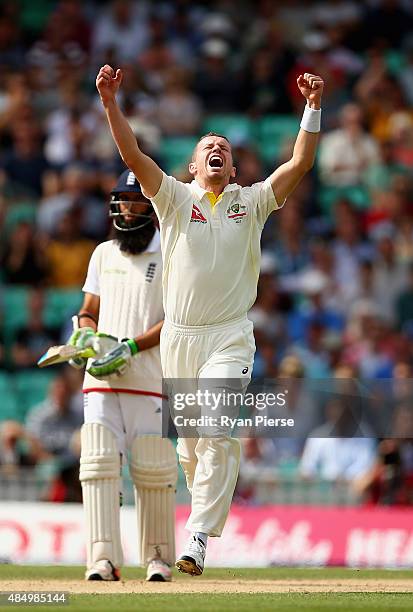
(75, 322)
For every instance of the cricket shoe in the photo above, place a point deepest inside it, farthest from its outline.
(103, 570)
(158, 571)
(192, 559)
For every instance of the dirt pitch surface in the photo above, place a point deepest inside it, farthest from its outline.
(350, 585)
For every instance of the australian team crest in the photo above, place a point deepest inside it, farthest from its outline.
(236, 211)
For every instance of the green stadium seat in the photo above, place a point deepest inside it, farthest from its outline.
(61, 304)
(18, 213)
(272, 132)
(32, 388)
(8, 399)
(14, 309)
(34, 15)
(235, 127)
(177, 152)
(329, 195)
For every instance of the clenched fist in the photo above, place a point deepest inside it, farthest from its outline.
(108, 83)
(311, 86)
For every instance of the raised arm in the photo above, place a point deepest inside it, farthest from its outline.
(286, 178)
(144, 168)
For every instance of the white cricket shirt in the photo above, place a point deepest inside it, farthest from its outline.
(130, 291)
(211, 249)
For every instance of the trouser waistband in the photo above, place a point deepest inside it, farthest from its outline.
(199, 330)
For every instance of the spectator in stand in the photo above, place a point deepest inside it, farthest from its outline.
(53, 422)
(369, 344)
(388, 22)
(404, 303)
(267, 316)
(405, 76)
(266, 69)
(15, 100)
(333, 453)
(23, 260)
(216, 84)
(249, 166)
(179, 110)
(349, 249)
(73, 190)
(313, 284)
(18, 448)
(34, 338)
(312, 350)
(389, 275)
(291, 248)
(25, 165)
(11, 48)
(68, 252)
(121, 30)
(348, 152)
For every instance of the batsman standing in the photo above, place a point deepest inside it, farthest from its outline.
(210, 240)
(122, 314)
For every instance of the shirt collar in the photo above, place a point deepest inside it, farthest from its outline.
(155, 243)
(200, 192)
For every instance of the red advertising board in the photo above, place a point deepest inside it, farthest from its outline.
(253, 536)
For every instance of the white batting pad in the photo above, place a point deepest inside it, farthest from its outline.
(154, 471)
(100, 478)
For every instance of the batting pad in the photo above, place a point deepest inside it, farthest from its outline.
(154, 471)
(100, 478)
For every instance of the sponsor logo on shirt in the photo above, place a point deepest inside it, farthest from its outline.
(197, 216)
(114, 271)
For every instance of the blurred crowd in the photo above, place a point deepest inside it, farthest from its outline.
(335, 297)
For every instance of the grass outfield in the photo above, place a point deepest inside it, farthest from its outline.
(237, 590)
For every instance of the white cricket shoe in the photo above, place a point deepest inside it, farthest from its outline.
(158, 571)
(192, 559)
(103, 570)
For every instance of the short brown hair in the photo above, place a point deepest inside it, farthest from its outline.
(215, 134)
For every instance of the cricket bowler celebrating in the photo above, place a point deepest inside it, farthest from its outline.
(210, 240)
(122, 392)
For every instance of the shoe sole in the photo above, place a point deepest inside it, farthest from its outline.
(157, 578)
(98, 577)
(94, 577)
(187, 565)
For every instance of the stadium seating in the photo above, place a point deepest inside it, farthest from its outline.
(23, 212)
(272, 132)
(31, 388)
(61, 304)
(176, 152)
(8, 399)
(237, 128)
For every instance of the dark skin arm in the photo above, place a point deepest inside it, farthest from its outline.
(91, 305)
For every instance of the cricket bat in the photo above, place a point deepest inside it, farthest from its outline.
(65, 352)
(62, 353)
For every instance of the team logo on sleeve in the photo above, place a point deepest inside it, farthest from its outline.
(197, 216)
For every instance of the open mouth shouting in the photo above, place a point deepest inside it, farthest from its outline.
(215, 161)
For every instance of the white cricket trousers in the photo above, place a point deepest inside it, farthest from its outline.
(210, 464)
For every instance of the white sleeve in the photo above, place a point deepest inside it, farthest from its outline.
(92, 284)
(264, 200)
(170, 196)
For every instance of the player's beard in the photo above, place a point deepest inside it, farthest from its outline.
(135, 241)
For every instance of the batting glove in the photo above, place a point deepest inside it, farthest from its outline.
(116, 361)
(81, 338)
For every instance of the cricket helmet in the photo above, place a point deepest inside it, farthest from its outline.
(128, 183)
